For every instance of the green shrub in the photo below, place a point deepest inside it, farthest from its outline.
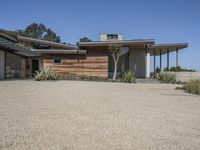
(128, 77)
(193, 86)
(45, 73)
(179, 69)
(166, 77)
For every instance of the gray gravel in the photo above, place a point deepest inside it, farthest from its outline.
(97, 115)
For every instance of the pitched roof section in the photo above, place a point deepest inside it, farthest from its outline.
(7, 37)
(9, 45)
(105, 43)
(64, 46)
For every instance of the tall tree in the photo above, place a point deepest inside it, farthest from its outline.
(51, 36)
(85, 39)
(39, 31)
(115, 51)
(35, 30)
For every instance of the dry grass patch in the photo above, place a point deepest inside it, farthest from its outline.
(193, 87)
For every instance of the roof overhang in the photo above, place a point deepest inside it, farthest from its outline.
(45, 51)
(8, 37)
(10, 46)
(121, 42)
(164, 48)
(66, 46)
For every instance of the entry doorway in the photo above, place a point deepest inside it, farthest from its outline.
(2, 64)
(35, 66)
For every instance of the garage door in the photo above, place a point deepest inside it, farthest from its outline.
(2, 64)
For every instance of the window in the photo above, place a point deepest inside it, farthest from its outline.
(40, 46)
(57, 60)
(112, 36)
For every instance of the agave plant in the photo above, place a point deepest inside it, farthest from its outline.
(128, 77)
(45, 73)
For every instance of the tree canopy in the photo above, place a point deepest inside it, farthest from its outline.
(40, 31)
(37, 31)
(85, 39)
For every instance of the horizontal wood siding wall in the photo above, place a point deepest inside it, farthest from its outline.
(91, 64)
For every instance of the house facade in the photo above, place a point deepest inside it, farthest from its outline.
(69, 59)
(136, 53)
(93, 58)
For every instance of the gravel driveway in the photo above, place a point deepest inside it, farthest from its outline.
(76, 115)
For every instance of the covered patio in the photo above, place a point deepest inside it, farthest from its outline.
(158, 50)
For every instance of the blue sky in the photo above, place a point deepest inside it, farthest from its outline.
(164, 20)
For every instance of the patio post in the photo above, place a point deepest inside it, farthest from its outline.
(147, 62)
(154, 56)
(160, 60)
(167, 59)
(177, 57)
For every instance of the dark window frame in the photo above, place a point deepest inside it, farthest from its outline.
(112, 36)
(40, 46)
(57, 60)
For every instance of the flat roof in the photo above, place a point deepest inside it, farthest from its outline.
(154, 48)
(168, 45)
(105, 43)
(164, 48)
(67, 46)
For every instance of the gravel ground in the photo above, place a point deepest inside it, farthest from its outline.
(97, 115)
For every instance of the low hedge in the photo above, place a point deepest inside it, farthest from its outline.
(166, 77)
(192, 86)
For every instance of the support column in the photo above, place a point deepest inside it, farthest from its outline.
(147, 62)
(167, 59)
(177, 57)
(154, 57)
(160, 60)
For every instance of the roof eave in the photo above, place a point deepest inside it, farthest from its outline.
(105, 43)
(170, 45)
(8, 37)
(22, 38)
(60, 51)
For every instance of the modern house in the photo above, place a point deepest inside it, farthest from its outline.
(137, 53)
(88, 58)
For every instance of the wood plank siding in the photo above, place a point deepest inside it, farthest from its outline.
(94, 63)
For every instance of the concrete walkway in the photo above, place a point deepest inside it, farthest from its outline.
(75, 115)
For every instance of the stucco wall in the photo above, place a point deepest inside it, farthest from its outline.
(186, 76)
(103, 37)
(148, 62)
(137, 62)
